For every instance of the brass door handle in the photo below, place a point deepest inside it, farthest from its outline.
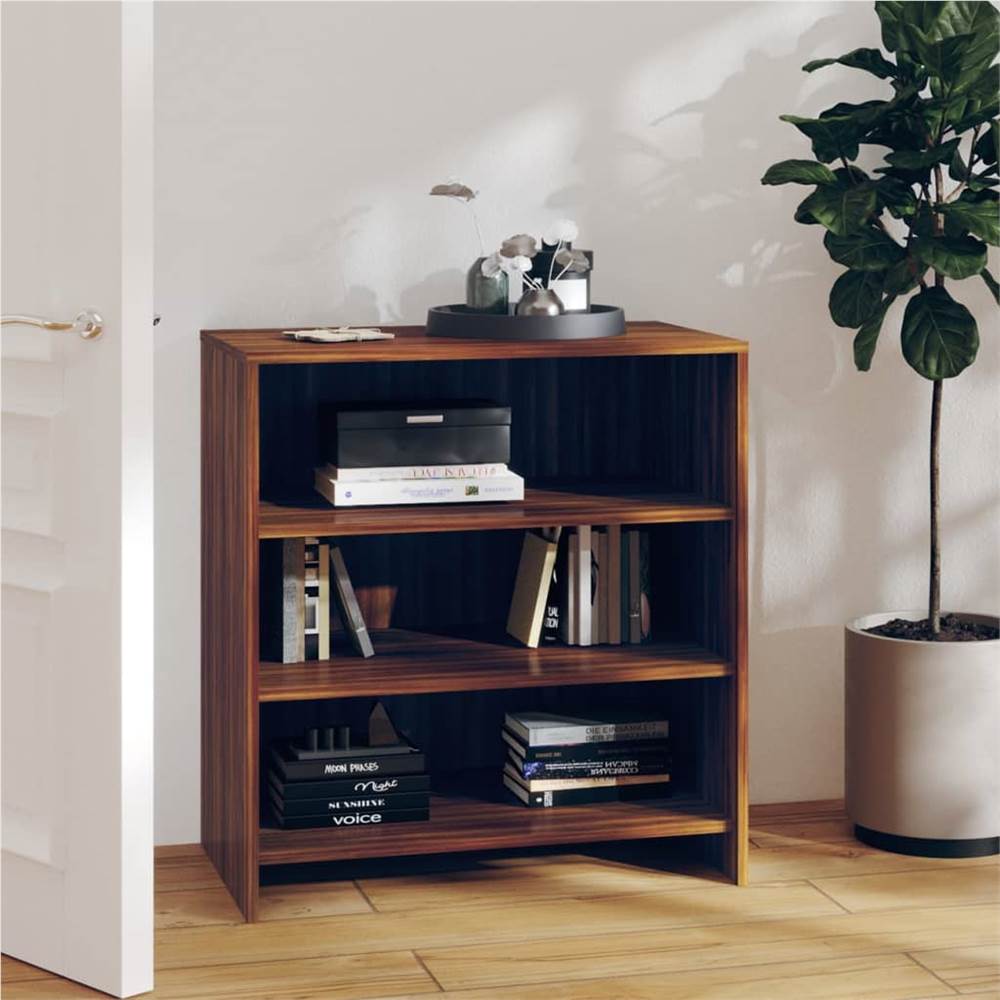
(88, 323)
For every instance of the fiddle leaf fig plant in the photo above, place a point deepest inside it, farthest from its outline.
(924, 216)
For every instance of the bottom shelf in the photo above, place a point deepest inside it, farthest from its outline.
(474, 820)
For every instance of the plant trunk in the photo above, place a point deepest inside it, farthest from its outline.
(934, 596)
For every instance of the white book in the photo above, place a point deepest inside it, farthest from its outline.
(536, 729)
(477, 489)
(581, 542)
(571, 592)
(393, 472)
(613, 590)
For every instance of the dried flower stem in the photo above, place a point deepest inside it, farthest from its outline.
(479, 232)
(552, 263)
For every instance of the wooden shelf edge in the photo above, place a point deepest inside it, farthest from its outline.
(456, 829)
(420, 663)
(540, 508)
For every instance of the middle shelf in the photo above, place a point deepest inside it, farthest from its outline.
(412, 662)
(543, 506)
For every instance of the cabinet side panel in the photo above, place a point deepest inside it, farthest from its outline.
(738, 709)
(228, 626)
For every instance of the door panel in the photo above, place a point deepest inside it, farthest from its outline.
(77, 493)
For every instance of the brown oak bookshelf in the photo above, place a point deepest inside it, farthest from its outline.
(648, 429)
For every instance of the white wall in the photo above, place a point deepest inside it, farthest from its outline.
(295, 144)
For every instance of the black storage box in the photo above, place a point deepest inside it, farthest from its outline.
(454, 432)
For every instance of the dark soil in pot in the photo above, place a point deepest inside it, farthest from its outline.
(953, 629)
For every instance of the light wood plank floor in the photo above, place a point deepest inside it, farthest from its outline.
(824, 916)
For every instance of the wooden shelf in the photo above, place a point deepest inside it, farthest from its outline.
(465, 822)
(541, 507)
(411, 344)
(408, 662)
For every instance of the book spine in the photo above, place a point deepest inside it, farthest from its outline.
(558, 784)
(356, 767)
(586, 751)
(293, 616)
(323, 601)
(554, 605)
(584, 595)
(613, 590)
(396, 472)
(571, 599)
(347, 787)
(347, 604)
(573, 735)
(531, 588)
(530, 770)
(353, 819)
(645, 610)
(508, 486)
(623, 594)
(326, 807)
(596, 583)
(584, 796)
(634, 593)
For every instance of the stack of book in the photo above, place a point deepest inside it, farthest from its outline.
(408, 484)
(558, 760)
(322, 780)
(583, 586)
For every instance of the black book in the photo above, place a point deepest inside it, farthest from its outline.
(351, 819)
(609, 767)
(374, 764)
(347, 804)
(362, 785)
(586, 752)
(584, 796)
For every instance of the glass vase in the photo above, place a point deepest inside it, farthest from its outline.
(485, 294)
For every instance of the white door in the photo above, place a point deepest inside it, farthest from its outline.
(77, 572)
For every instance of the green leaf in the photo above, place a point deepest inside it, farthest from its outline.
(871, 250)
(957, 60)
(842, 210)
(986, 147)
(854, 297)
(957, 169)
(991, 283)
(978, 217)
(870, 60)
(866, 338)
(955, 256)
(798, 172)
(895, 195)
(896, 16)
(831, 138)
(908, 159)
(836, 132)
(908, 16)
(939, 335)
(961, 17)
(904, 276)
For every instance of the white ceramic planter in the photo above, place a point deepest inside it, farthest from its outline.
(922, 740)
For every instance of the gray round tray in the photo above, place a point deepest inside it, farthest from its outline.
(460, 321)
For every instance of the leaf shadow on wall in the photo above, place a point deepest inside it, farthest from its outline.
(822, 448)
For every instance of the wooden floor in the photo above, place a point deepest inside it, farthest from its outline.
(824, 916)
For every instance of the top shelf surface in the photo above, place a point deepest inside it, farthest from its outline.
(262, 347)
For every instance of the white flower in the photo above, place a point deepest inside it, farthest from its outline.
(491, 265)
(561, 231)
(515, 265)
